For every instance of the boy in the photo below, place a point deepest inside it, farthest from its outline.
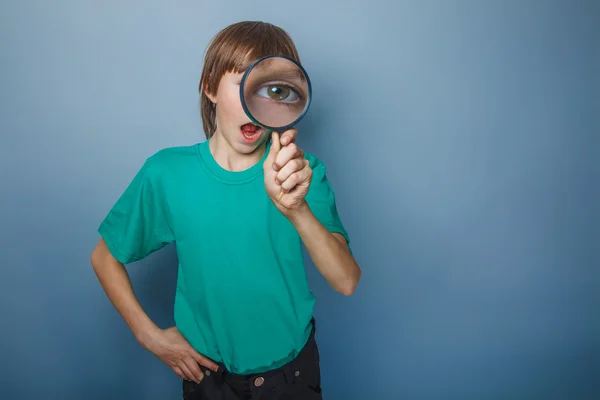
(238, 206)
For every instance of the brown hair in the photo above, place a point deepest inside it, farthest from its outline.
(233, 49)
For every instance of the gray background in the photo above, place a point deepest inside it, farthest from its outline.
(461, 138)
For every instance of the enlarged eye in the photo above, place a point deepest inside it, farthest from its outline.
(279, 92)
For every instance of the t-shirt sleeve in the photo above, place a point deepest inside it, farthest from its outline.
(321, 200)
(136, 226)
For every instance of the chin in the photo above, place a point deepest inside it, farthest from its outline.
(247, 148)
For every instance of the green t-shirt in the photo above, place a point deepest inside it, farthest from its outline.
(242, 296)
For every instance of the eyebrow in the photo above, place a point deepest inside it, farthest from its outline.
(284, 72)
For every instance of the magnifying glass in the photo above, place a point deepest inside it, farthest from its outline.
(275, 92)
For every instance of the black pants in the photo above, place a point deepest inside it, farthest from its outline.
(300, 379)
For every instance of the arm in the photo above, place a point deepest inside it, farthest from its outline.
(168, 345)
(116, 283)
(329, 251)
(288, 177)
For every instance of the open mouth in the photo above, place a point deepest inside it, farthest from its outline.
(250, 132)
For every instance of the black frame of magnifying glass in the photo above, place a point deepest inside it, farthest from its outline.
(279, 129)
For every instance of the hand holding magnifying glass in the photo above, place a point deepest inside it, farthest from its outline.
(275, 92)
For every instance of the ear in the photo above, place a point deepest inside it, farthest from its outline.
(210, 96)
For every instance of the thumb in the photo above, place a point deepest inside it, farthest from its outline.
(275, 147)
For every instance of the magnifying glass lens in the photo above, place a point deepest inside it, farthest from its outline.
(275, 92)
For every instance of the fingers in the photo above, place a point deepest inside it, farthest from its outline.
(194, 368)
(288, 136)
(286, 154)
(185, 361)
(208, 363)
(292, 166)
(183, 366)
(278, 142)
(180, 373)
(189, 367)
(297, 177)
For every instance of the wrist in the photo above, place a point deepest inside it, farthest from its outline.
(298, 213)
(147, 335)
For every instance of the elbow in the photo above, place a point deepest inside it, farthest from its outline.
(347, 291)
(96, 262)
(97, 256)
(349, 285)
(94, 258)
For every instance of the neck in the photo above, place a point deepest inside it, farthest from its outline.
(231, 159)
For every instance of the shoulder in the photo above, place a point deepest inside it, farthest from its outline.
(168, 160)
(173, 155)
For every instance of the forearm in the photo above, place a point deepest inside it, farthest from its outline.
(330, 255)
(116, 283)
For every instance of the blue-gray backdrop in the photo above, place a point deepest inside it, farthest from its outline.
(461, 138)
